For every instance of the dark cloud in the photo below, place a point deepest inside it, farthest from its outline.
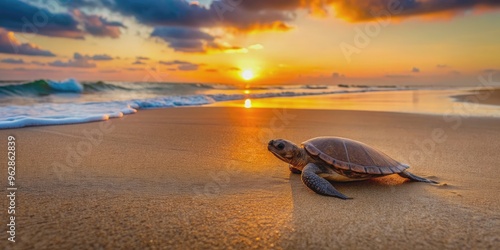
(12, 61)
(184, 13)
(398, 76)
(102, 57)
(183, 39)
(363, 10)
(142, 58)
(415, 70)
(38, 63)
(174, 62)
(234, 69)
(107, 71)
(10, 45)
(182, 65)
(259, 5)
(138, 63)
(187, 39)
(79, 61)
(337, 75)
(98, 57)
(20, 16)
(188, 67)
(490, 71)
(99, 26)
(91, 4)
(133, 69)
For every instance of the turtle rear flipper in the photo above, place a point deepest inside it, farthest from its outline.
(319, 185)
(406, 174)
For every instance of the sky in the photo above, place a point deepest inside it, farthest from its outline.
(251, 42)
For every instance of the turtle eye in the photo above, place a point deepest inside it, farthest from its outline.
(281, 146)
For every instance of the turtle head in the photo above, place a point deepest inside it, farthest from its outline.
(285, 150)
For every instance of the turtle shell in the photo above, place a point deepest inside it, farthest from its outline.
(349, 155)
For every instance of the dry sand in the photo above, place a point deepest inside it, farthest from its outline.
(202, 178)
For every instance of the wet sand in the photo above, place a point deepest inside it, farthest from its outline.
(483, 96)
(202, 178)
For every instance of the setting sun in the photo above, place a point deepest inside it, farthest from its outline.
(247, 75)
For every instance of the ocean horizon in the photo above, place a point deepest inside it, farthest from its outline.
(47, 102)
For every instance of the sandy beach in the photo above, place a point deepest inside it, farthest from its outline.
(198, 178)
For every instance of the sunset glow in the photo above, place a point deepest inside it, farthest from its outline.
(263, 42)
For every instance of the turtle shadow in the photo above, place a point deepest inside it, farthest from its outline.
(380, 208)
(379, 187)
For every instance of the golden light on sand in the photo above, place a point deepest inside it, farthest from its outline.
(247, 75)
(248, 103)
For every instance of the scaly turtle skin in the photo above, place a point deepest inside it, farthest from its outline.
(337, 159)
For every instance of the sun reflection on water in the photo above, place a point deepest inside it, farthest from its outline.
(248, 103)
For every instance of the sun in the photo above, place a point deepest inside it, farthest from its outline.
(247, 75)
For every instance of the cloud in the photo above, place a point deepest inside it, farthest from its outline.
(337, 75)
(217, 14)
(182, 65)
(187, 39)
(20, 16)
(442, 66)
(12, 61)
(234, 69)
(38, 63)
(490, 71)
(415, 70)
(183, 39)
(10, 45)
(212, 70)
(142, 58)
(98, 57)
(79, 61)
(133, 69)
(107, 71)
(364, 10)
(257, 46)
(138, 63)
(398, 76)
(102, 57)
(99, 26)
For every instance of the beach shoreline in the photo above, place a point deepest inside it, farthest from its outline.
(199, 177)
(490, 96)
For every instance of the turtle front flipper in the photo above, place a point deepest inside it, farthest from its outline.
(406, 174)
(316, 183)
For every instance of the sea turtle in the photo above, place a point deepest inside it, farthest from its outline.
(337, 159)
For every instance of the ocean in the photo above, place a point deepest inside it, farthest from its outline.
(47, 102)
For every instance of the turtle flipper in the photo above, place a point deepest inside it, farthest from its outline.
(319, 185)
(406, 174)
